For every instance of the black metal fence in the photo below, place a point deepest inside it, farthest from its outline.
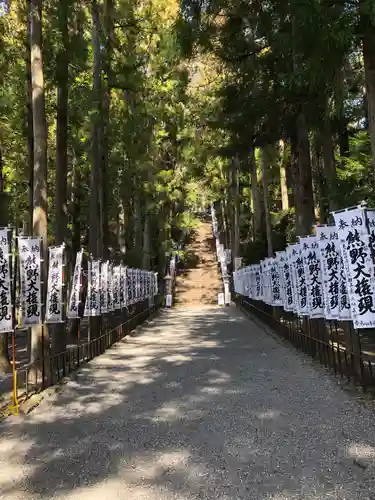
(349, 354)
(33, 378)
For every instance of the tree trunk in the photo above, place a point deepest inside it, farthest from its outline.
(30, 135)
(305, 204)
(137, 221)
(5, 366)
(40, 346)
(75, 203)
(257, 207)
(267, 217)
(342, 127)
(321, 211)
(369, 64)
(95, 233)
(146, 242)
(283, 184)
(235, 196)
(62, 74)
(108, 22)
(329, 160)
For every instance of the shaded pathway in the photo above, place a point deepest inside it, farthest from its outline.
(200, 404)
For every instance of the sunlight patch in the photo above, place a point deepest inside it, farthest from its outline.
(268, 415)
(360, 451)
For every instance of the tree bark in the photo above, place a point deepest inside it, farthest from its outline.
(305, 205)
(62, 76)
(108, 24)
(257, 207)
(267, 216)
(137, 221)
(369, 64)
(146, 242)
(75, 198)
(30, 135)
(40, 346)
(235, 195)
(321, 210)
(342, 128)
(95, 233)
(283, 183)
(329, 160)
(5, 366)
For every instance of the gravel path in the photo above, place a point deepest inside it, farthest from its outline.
(200, 404)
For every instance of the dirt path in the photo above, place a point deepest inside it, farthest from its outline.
(200, 282)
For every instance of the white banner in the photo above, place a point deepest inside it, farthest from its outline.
(290, 292)
(258, 282)
(358, 265)
(311, 260)
(92, 306)
(75, 293)
(6, 309)
(237, 263)
(281, 259)
(110, 288)
(370, 216)
(302, 307)
(130, 288)
(290, 253)
(123, 286)
(104, 287)
(156, 286)
(276, 298)
(330, 258)
(54, 308)
(116, 287)
(344, 301)
(228, 256)
(30, 289)
(137, 285)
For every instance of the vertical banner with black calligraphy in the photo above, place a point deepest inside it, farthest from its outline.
(30, 289)
(248, 278)
(300, 283)
(291, 252)
(358, 263)
(75, 292)
(290, 295)
(92, 305)
(276, 299)
(116, 287)
(281, 259)
(344, 301)
(110, 288)
(130, 286)
(104, 287)
(263, 272)
(6, 309)
(123, 286)
(268, 283)
(54, 306)
(258, 282)
(370, 217)
(311, 260)
(330, 259)
(137, 285)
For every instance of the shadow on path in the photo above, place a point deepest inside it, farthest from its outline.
(200, 404)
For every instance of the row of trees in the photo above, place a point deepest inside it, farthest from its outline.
(96, 131)
(293, 117)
